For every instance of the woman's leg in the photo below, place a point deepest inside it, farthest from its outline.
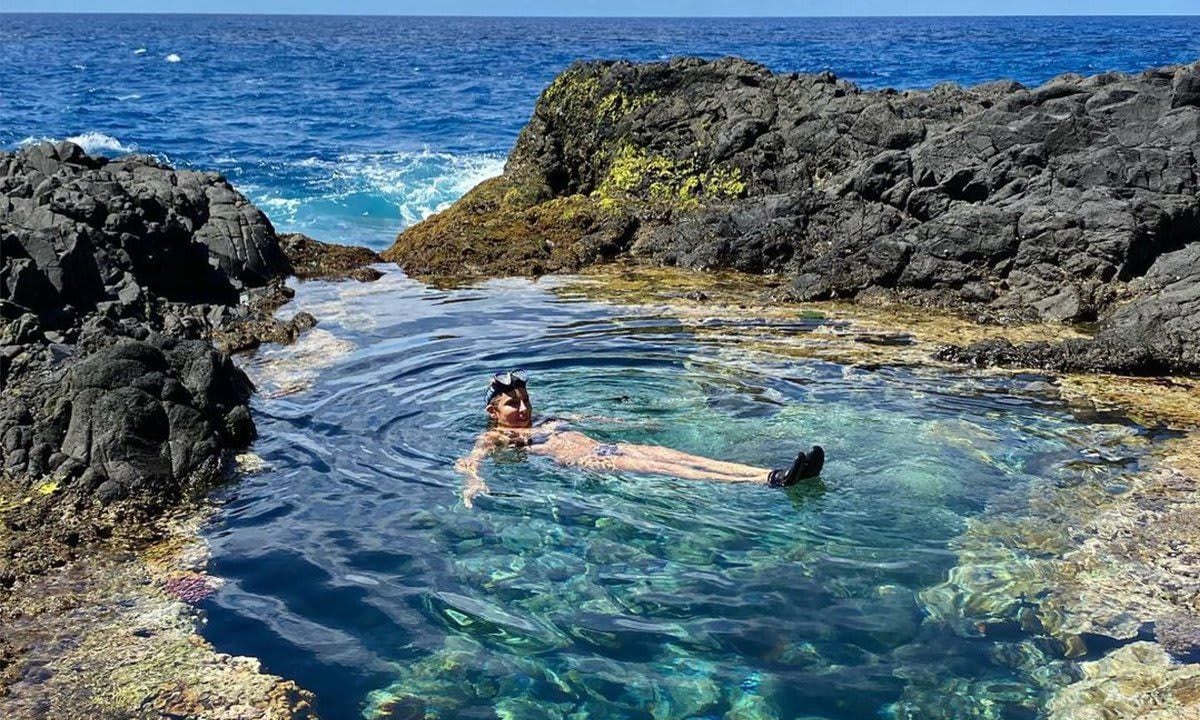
(665, 461)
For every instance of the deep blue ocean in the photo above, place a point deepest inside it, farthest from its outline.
(349, 128)
(347, 561)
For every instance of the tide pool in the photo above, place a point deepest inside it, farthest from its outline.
(354, 569)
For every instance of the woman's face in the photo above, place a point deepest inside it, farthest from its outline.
(512, 409)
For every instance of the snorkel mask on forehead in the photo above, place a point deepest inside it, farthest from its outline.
(503, 382)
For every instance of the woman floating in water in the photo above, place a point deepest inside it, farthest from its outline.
(510, 418)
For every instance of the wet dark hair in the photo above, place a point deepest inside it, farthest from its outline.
(504, 382)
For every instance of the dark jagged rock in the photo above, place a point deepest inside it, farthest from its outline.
(261, 327)
(119, 277)
(136, 419)
(1076, 201)
(1157, 333)
(310, 260)
(116, 405)
(314, 260)
(117, 228)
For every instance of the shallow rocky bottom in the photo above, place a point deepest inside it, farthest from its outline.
(114, 634)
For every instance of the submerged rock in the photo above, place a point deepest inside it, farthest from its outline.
(1099, 565)
(1138, 681)
(1070, 202)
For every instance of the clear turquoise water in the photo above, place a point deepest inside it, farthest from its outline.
(353, 568)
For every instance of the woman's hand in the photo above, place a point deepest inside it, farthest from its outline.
(468, 466)
(475, 485)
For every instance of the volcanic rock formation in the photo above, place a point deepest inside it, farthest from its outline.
(1075, 201)
(116, 276)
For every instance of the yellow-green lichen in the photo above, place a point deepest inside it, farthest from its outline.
(619, 103)
(569, 85)
(584, 95)
(639, 175)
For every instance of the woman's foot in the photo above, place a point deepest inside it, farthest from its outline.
(807, 465)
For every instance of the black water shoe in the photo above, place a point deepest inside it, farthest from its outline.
(807, 465)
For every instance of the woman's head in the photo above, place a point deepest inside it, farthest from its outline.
(508, 401)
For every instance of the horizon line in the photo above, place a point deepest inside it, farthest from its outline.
(596, 17)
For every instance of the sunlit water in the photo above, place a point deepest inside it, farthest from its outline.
(354, 569)
(352, 566)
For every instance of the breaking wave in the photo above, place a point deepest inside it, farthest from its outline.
(367, 198)
(96, 142)
(92, 142)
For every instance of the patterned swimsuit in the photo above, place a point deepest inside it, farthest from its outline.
(606, 450)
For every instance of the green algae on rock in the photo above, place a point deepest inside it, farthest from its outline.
(879, 330)
(495, 228)
(312, 259)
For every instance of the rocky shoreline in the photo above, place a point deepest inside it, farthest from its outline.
(1077, 201)
(127, 283)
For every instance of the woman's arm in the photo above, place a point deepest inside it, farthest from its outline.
(468, 465)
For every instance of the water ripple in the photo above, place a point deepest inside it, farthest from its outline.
(373, 576)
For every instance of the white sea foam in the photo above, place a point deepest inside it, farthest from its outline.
(433, 181)
(173, 58)
(95, 142)
(130, 96)
(31, 140)
(140, 51)
(367, 197)
(415, 184)
(279, 207)
(91, 142)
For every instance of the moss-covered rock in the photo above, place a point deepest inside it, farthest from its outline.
(498, 229)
